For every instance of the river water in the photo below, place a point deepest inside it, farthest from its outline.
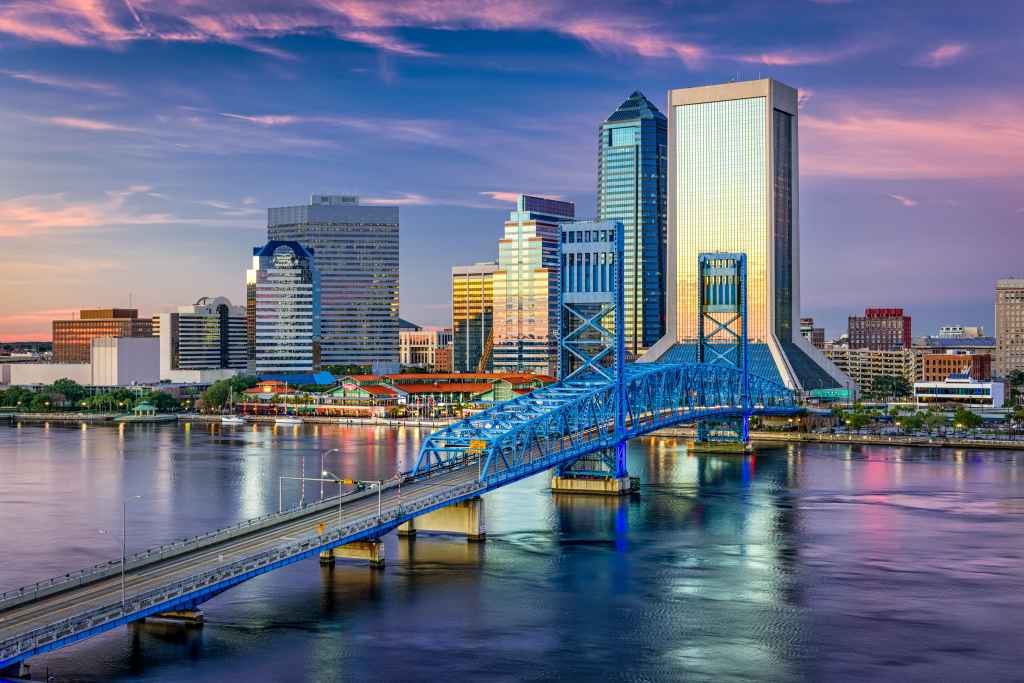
(804, 562)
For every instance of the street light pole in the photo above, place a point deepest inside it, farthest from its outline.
(124, 548)
(323, 468)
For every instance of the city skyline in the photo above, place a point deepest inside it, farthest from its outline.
(136, 137)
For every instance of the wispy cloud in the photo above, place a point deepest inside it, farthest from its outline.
(513, 197)
(943, 55)
(88, 124)
(905, 201)
(903, 139)
(366, 22)
(52, 81)
(804, 57)
(414, 130)
(35, 215)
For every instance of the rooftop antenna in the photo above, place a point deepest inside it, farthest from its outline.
(129, 299)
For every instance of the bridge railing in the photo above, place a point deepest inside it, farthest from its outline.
(146, 557)
(184, 590)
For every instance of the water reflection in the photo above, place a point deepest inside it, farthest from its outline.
(800, 561)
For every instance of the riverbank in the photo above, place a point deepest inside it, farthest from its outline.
(316, 419)
(865, 439)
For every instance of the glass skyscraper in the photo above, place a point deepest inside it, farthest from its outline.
(733, 187)
(632, 189)
(526, 284)
(356, 251)
(473, 316)
(283, 297)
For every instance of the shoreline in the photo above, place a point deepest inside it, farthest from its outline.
(672, 432)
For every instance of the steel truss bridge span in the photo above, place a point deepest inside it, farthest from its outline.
(570, 419)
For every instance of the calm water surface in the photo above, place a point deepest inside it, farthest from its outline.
(805, 562)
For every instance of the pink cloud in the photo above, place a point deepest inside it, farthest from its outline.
(31, 325)
(266, 120)
(943, 55)
(513, 197)
(241, 22)
(905, 201)
(797, 57)
(61, 82)
(87, 124)
(34, 215)
(905, 140)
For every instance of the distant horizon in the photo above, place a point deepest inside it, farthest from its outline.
(138, 161)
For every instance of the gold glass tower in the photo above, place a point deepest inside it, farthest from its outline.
(733, 187)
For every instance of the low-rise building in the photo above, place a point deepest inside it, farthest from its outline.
(865, 365)
(950, 344)
(936, 367)
(114, 361)
(815, 335)
(71, 338)
(418, 347)
(961, 389)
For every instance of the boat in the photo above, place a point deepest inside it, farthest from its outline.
(231, 420)
(287, 420)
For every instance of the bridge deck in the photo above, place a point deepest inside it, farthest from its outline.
(299, 533)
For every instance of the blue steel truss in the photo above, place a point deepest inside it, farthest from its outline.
(571, 419)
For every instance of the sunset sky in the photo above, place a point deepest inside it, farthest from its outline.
(142, 140)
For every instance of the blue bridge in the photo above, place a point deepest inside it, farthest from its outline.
(577, 426)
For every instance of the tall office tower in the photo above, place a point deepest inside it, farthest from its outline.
(357, 257)
(72, 339)
(1009, 326)
(880, 329)
(283, 291)
(473, 317)
(733, 187)
(209, 335)
(632, 189)
(526, 316)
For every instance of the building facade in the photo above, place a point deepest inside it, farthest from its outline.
(815, 335)
(356, 249)
(733, 186)
(936, 367)
(210, 335)
(473, 317)
(418, 347)
(864, 366)
(632, 167)
(72, 339)
(283, 296)
(880, 329)
(1009, 326)
(526, 284)
(961, 390)
(961, 332)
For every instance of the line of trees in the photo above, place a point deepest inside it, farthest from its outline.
(68, 395)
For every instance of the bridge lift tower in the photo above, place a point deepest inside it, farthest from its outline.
(591, 347)
(722, 340)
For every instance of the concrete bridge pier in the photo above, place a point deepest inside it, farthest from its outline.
(603, 473)
(185, 616)
(17, 671)
(465, 518)
(371, 550)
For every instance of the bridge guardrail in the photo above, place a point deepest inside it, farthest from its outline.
(100, 616)
(142, 558)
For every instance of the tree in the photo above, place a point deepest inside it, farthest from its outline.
(72, 391)
(15, 396)
(216, 397)
(890, 386)
(163, 402)
(911, 423)
(934, 420)
(967, 419)
(1018, 414)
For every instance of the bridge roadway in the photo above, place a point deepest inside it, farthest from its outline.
(396, 502)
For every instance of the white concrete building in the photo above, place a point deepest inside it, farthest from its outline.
(418, 347)
(202, 343)
(123, 361)
(961, 389)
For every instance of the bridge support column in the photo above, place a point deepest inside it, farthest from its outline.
(187, 617)
(371, 550)
(602, 473)
(18, 670)
(465, 519)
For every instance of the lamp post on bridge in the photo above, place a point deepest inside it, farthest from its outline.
(124, 547)
(323, 468)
